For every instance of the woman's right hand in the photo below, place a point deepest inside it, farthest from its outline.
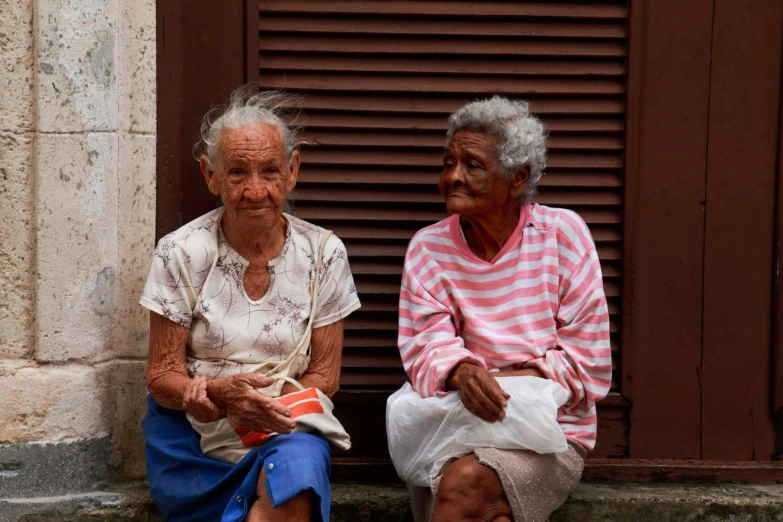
(481, 394)
(246, 407)
(197, 403)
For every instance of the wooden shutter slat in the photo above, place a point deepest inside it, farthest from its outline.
(385, 249)
(379, 214)
(314, 120)
(567, 10)
(342, 138)
(371, 361)
(392, 64)
(443, 104)
(428, 195)
(456, 27)
(438, 84)
(458, 46)
(353, 156)
(552, 178)
(402, 232)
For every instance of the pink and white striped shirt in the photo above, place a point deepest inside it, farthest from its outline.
(540, 303)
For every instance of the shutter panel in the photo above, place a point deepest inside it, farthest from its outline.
(380, 79)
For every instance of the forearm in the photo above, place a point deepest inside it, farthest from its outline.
(327, 383)
(582, 362)
(527, 372)
(429, 345)
(167, 375)
(168, 388)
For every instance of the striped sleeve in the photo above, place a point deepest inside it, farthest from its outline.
(582, 362)
(428, 340)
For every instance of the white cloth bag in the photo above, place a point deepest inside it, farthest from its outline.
(310, 408)
(424, 434)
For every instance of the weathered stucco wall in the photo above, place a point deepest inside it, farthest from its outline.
(77, 181)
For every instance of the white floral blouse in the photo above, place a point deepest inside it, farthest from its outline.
(196, 280)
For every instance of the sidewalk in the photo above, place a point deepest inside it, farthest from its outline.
(352, 502)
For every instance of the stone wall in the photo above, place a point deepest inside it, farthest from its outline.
(77, 221)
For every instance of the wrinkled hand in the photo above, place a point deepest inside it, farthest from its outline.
(197, 402)
(481, 394)
(246, 407)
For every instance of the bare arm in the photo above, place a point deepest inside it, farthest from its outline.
(325, 358)
(167, 375)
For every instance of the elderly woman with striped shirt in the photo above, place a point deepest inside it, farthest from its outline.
(503, 287)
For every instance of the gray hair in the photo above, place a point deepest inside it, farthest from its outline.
(522, 136)
(248, 106)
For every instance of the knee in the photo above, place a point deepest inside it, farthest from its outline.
(468, 483)
(300, 507)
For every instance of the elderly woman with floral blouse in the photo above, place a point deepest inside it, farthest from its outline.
(503, 287)
(226, 292)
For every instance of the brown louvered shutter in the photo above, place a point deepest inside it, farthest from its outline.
(380, 79)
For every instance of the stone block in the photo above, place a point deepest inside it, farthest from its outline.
(87, 507)
(52, 468)
(127, 387)
(17, 245)
(136, 236)
(77, 245)
(376, 502)
(77, 65)
(51, 403)
(17, 62)
(137, 66)
(657, 502)
(137, 86)
(137, 19)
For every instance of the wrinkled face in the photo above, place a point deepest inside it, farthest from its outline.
(252, 176)
(471, 179)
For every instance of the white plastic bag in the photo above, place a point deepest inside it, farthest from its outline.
(424, 434)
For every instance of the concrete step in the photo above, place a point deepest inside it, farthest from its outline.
(648, 502)
(614, 502)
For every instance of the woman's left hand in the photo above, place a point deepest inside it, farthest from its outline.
(480, 392)
(197, 403)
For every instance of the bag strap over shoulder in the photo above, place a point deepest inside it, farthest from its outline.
(314, 287)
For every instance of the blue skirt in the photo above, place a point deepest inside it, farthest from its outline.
(189, 486)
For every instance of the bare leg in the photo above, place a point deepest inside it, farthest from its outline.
(298, 509)
(470, 491)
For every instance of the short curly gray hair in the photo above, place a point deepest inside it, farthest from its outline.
(522, 136)
(248, 106)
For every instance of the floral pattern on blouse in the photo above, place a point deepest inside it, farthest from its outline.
(197, 281)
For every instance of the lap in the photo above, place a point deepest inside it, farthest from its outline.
(189, 486)
(294, 464)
